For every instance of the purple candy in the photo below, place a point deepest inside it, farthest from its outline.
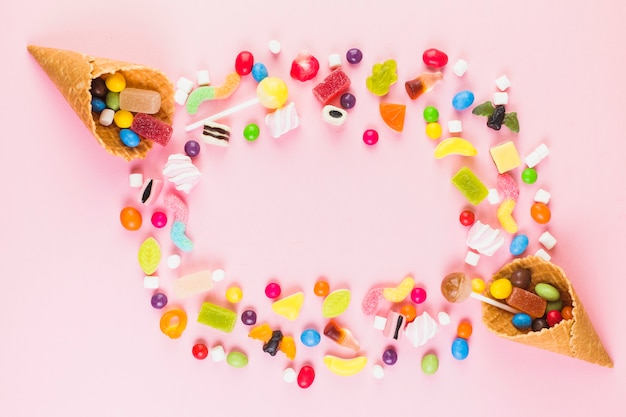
(347, 101)
(192, 148)
(158, 300)
(354, 55)
(248, 317)
(390, 356)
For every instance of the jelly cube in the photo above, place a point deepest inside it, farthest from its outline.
(470, 186)
(333, 85)
(505, 156)
(152, 128)
(217, 317)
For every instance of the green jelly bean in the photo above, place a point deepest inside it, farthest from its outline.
(554, 305)
(251, 132)
(113, 100)
(431, 114)
(430, 364)
(547, 292)
(529, 175)
(237, 359)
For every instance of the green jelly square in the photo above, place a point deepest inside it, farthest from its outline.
(217, 317)
(470, 186)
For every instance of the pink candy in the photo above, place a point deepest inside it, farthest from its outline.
(304, 67)
(152, 128)
(507, 186)
(333, 85)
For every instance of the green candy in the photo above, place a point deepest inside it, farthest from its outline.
(547, 292)
(470, 186)
(431, 114)
(554, 305)
(113, 100)
(430, 364)
(251, 132)
(217, 317)
(237, 359)
(529, 175)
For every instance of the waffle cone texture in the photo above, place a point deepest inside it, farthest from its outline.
(575, 337)
(72, 73)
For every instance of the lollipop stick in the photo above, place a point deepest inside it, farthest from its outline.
(221, 114)
(494, 303)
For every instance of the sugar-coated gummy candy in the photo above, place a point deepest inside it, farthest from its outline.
(431, 114)
(130, 218)
(306, 376)
(462, 100)
(522, 321)
(553, 317)
(248, 317)
(158, 300)
(433, 130)
(115, 82)
(354, 55)
(390, 356)
(321, 288)
(382, 78)
(200, 351)
(370, 137)
(470, 186)
(527, 302)
(418, 295)
(251, 132)
(464, 329)
(347, 100)
(310, 337)
(234, 294)
(259, 71)
(518, 245)
(304, 66)
(192, 148)
(460, 348)
(237, 359)
(529, 175)
(547, 292)
(435, 58)
(129, 138)
(521, 277)
(152, 128)
(501, 288)
(244, 62)
(336, 83)
(217, 317)
(97, 104)
(540, 213)
(430, 364)
(272, 290)
(467, 217)
(98, 87)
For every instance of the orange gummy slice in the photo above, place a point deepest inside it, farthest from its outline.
(288, 347)
(393, 115)
(261, 332)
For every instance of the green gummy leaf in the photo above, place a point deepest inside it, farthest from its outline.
(485, 109)
(149, 256)
(510, 121)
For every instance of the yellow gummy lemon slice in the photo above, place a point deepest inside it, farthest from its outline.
(335, 303)
(149, 256)
(345, 367)
(399, 293)
(289, 307)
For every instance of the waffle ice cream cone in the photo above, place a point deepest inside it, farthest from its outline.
(575, 337)
(72, 73)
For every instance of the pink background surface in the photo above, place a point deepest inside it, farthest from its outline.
(79, 337)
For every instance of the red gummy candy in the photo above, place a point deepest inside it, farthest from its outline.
(435, 58)
(244, 63)
(336, 83)
(152, 128)
(304, 67)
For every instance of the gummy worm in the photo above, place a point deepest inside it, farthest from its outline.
(181, 212)
(204, 93)
(505, 215)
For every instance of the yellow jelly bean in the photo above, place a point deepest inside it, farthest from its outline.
(234, 294)
(433, 130)
(115, 82)
(173, 323)
(501, 288)
(123, 119)
(478, 285)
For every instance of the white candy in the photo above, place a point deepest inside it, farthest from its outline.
(106, 117)
(218, 275)
(443, 318)
(174, 261)
(493, 197)
(135, 180)
(282, 120)
(334, 115)
(217, 353)
(484, 239)
(543, 254)
(334, 61)
(547, 240)
(184, 84)
(472, 258)
(460, 67)
(503, 83)
(180, 97)
(274, 46)
(542, 150)
(542, 196)
(500, 98)
(151, 282)
(532, 159)
(180, 171)
(380, 322)
(455, 126)
(378, 371)
(203, 77)
(289, 375)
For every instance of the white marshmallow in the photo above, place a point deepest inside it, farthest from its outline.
(174, 261)
(547, 240)
(184, 84)
(460, 67)
(289, 375)
(151, 282)
(378, 371)
(503, 82)
(218, 275)
(500, 98)
(135, 180)
(532, 159)
(334, 61)
(542, 196)
(543, 254)
(203, 77)
(443, 318)
(217, 353)
(106, 117)
(274, 46)
(472, 258)
(542, 150)
(493, 197)
(180, 97)
(455, 126)
(380, 322)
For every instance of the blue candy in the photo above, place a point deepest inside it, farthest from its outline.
(259, 72)
(97, 104)
(460, 348)
(129, 138)
(518, 245)
(462, 100)
(522, 321)
(310, 337)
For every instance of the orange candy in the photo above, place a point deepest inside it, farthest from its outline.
(393, 115)
(409, 312)
(566, 313)
(540, 213)
(321, 288)
(288, 347)
(130, 218)
(464, 330)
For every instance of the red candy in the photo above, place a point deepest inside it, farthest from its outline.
(553, 317)
(467, 218)
(152, 128)
(199, 351)
(304, 67)
(435, 58)
(244, 63)
(336, 83)
(306, 376)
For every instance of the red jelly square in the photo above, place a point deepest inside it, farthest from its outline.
(152, 128)
(336, 83)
